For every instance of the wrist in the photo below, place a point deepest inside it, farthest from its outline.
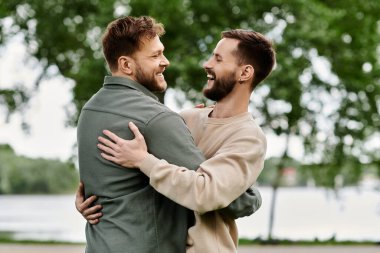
(141, 160)
(148, 163)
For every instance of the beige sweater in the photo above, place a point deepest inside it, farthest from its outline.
(235, 150)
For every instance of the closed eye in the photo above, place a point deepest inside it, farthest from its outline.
(157, 54)
(218, 57)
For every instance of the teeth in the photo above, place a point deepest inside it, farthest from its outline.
(211, 77)
(160, 74)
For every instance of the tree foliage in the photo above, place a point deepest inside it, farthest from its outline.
(21, 175)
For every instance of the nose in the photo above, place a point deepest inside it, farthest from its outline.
(164, 61)
(206, 64)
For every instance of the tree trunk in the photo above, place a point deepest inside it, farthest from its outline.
(275, 186)
(273, 202)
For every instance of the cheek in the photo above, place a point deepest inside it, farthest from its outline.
(222, 69)
(153, 66)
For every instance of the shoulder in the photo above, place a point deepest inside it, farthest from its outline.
(248, 132)
(189, 113)
(195, 113)
(162, 120)
(253, 127)
(248, 125)
(128, 103)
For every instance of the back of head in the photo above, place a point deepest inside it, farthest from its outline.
(124, 36)
(253, 49)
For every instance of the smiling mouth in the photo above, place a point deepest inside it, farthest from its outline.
(161, 74)
(210, 77)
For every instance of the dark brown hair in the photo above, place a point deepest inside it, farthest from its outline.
(253, 49)
(124, 36)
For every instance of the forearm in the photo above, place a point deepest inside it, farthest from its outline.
(210, 188)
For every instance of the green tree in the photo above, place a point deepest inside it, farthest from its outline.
(22, 175)
(324, 90)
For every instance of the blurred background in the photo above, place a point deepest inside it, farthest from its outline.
(319, 108)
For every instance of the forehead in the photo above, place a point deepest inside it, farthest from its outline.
(151, 45)
(226, 47)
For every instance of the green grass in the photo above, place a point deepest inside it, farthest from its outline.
(315, 242)
(7, 237)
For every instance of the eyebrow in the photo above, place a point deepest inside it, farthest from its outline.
(217, 55)
(158, 51)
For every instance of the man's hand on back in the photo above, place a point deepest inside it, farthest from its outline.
(90, 213)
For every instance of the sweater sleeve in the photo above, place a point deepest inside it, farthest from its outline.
(218, 181)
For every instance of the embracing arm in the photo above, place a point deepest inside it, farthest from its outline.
(218, 181)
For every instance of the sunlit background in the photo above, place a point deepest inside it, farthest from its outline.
(319, 109)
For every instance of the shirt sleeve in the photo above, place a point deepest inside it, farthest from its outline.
(248, 203)
(217, 182)
(168, 138)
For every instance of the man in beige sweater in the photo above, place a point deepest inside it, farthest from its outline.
(233, 144)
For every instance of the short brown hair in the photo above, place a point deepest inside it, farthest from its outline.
(124, 36)
(253, 49)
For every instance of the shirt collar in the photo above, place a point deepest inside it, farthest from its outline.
(109, 80)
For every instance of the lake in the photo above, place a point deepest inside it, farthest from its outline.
(301, 213)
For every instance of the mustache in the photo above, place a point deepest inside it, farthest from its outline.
(210, 72)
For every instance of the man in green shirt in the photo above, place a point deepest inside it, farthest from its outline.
(136, 218)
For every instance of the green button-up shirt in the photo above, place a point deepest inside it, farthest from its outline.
(136, 218)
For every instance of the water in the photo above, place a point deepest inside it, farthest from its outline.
(41, 217)
(315, 213)
(301, 213)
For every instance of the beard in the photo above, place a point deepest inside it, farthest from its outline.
(148, 80)
(221, 87)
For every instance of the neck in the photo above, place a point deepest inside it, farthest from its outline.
(233, 104)
(121, 74)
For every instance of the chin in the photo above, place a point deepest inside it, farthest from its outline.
(161, 87)
(206, 90)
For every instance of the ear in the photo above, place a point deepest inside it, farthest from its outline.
(247, 73)
(126, 65)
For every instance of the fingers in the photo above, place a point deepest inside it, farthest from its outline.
(94, 216)
(109, 158)
(93, 222)
(92, 212)
(107, 142)
(112, 136)
(88, 202)
(107, 149)
(83, 206)
(135, 130)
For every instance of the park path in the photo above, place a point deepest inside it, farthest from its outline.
(14, 248)
(309, 249)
